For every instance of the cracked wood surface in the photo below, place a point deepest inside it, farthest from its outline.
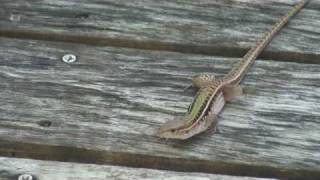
(11, 168)
(106, 108)
(220, 27)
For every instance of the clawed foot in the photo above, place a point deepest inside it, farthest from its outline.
(217, 130)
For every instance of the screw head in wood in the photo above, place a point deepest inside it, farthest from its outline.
(25, 177)
(69, 58)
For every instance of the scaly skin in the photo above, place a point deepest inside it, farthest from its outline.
(211, 97)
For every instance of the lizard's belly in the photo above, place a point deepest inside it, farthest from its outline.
(209, 119)
(218, 104)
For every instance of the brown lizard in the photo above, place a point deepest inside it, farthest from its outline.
(214, 92)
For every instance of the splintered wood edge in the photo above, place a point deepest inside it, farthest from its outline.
(186, 34)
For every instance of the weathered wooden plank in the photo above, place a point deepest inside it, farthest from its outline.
(107, 107)
(11, 168)
(225, 28)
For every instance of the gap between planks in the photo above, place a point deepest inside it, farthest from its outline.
(308, 58)
(12, 168)
(77, 155)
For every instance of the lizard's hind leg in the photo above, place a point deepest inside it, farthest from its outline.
(203, 80)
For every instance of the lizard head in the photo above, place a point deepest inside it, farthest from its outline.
(170, 130)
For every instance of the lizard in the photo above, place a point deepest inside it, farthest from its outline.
(214, 92)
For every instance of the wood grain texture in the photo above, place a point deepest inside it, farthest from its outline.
(10, 168)
(225, 28)
(106, 108)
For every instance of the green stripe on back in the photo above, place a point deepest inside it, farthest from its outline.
(198, 103)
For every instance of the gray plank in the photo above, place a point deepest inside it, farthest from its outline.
(225, 28)
(11, 168)
(106, 108)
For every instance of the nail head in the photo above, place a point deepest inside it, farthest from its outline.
(25, 177)
(69, 58)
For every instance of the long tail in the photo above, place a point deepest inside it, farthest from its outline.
(239, 70)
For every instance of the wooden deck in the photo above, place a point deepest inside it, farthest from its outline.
(96, 118)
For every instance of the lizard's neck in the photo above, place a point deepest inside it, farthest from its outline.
(239, 70)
